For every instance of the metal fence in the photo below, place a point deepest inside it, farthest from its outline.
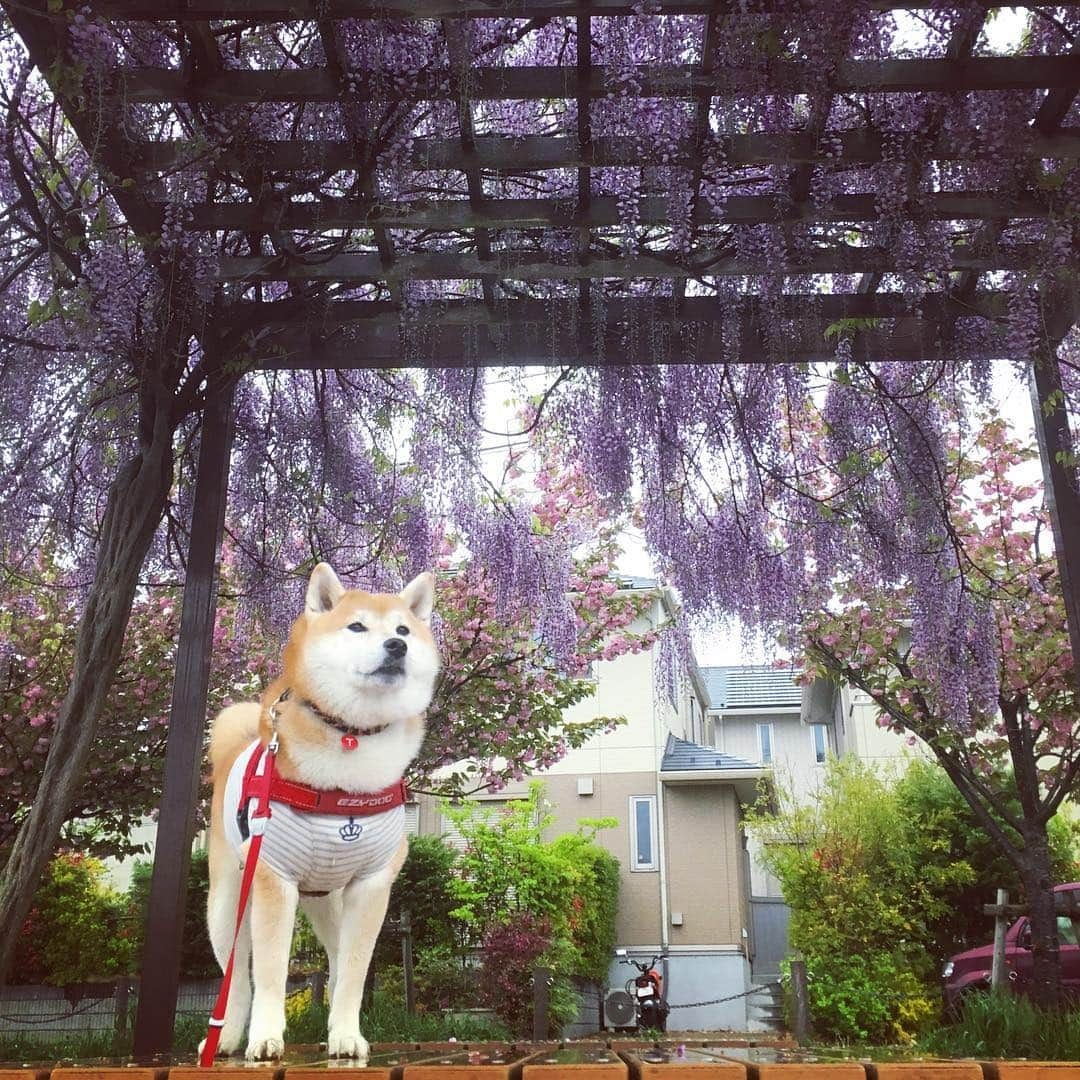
(53, 1012)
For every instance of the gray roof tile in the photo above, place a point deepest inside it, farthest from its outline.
(683, 756)
(751, 687)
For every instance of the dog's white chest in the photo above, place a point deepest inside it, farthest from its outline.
(319, 852)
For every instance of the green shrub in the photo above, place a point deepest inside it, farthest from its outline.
(443, 979)
(196, 956)
(511, 883)
(423, 886)
(865, 888)
(306, 953)
(595, 902)
(74, 906)
(507, 870)
(885, 878)
(872, 998)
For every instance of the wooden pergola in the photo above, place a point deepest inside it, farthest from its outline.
(327, 278)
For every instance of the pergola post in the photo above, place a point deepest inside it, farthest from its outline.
(1056, 450)
(187, 721)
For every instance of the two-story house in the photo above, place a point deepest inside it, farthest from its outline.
(676, 777)
(685, 886)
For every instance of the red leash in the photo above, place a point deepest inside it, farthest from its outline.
(262, 782)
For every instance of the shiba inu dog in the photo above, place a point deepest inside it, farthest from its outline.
(358, 672)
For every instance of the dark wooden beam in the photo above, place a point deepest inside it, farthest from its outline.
(533, 153)
(599, 212)
(574, 345)
(160, 969)
(538, 266)
(1059, 100)
(542, 83)
(461, 79)
(261, 315)
(289, 10)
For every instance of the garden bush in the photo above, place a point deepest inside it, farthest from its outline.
(443, 979)
(196, 956)
(423, 886)
(864, 887)
(558, 900)
(74, 906)
(885, 876)
(512, 951)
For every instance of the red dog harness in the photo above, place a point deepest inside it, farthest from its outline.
(317, 801)
(264, 786)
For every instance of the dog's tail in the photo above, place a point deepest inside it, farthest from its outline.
(233, 728)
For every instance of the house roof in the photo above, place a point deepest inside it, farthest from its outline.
(751, 687)
(636, 581)
(683, 756)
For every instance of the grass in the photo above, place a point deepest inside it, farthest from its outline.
(1006, 1026)
(78, 1045)
(385, 1019)
(382, 1020)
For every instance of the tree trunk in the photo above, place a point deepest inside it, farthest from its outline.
(133, 513)
(1039, 884)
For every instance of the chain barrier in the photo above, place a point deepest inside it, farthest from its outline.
(91, 1003)
(731, 997)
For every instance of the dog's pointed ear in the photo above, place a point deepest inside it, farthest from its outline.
(419, 595)
(324, 590)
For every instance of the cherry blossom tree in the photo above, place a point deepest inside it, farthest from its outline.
(122, 782)
(498, 708)
(1017, 740)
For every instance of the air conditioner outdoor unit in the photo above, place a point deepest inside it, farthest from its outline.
(620, 1010)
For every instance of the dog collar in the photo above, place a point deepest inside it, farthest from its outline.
(349, 735)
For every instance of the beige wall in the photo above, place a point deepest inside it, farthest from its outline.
(639, 891)
(859, 733)
(705, 870)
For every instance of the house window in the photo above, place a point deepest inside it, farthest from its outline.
(643, 840)
(412, 819)
(765, 743)
(821, 742)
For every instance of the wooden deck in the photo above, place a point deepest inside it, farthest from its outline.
(578, 1061)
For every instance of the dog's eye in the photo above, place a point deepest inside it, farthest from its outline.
(402, 630)
(357, 627)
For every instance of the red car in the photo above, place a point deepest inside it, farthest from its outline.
(970, 971)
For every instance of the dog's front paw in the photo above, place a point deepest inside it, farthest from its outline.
(347, 1044)
(264, 1049)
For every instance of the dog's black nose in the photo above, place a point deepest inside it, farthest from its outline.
(395, 647)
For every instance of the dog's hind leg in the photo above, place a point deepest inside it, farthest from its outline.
(363, 909)
(324, 912)
(273, 914)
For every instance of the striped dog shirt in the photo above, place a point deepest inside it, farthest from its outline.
(319, 852)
